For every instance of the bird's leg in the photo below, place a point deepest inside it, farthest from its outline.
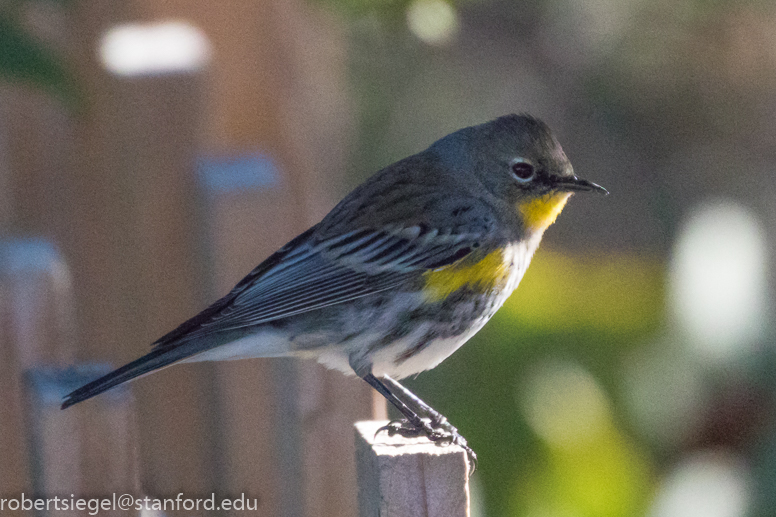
(435, 426)
(418, 424)
(437, 418)
(448, 433)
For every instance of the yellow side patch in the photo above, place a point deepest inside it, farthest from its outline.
(541, 212)
(486, 274)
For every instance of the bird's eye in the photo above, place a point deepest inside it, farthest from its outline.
(523, 171)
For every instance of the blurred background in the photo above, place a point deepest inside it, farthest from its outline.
(153, 152)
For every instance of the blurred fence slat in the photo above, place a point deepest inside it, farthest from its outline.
(135, 257)
(38, 305)
(90, 453)
(36, 328)
(14, 466)
(46, 451)
(409, 477)
(246, 212)
(281, 92)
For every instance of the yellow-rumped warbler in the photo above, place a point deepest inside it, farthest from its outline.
(400, 274)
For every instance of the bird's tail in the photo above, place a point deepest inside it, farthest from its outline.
(156, 359)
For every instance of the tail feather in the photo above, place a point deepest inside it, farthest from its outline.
(150, 362)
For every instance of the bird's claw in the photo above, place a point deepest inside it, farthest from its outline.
(400, 427)
(439, 432)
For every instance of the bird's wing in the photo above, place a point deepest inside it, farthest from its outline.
(309, 274)
(322, 267)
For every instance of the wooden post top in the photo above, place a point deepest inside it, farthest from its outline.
(409, 477)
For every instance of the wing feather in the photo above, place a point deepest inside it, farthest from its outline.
(307, 275)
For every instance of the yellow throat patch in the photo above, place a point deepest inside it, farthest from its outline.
(541, 212)
(492, 272)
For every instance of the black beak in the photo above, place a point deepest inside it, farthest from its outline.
(574, 184)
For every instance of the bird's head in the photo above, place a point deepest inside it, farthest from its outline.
(517, 160)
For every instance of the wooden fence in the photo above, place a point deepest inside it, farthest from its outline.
(120, 189)
(126, 216)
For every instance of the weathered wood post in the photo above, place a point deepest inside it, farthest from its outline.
(48, 452)
(409, 477)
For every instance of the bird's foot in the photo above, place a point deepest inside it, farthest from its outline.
(441, 432)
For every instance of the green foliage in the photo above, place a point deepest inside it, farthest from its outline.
(25, 59)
